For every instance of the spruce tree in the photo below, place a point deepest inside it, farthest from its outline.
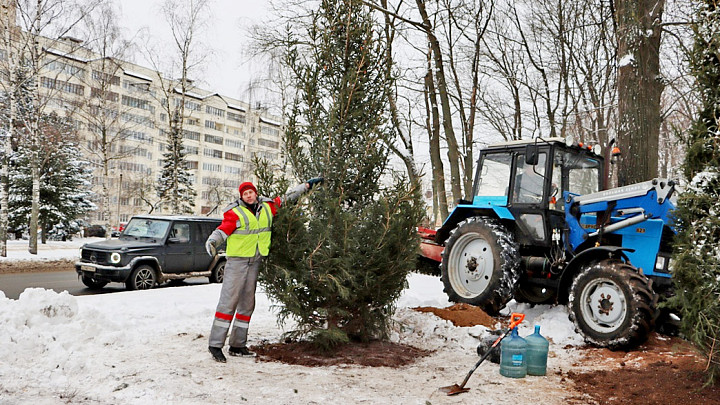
(340, 257)
(65, 194)
(697, 244)
(174, 185)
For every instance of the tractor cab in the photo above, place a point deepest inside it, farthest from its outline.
(524, 181)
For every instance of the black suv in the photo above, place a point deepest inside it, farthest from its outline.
(152, 249)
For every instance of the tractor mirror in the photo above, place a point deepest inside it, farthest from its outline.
(531, 155)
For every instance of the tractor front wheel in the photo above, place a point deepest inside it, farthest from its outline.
(612, 304)
(480, 264)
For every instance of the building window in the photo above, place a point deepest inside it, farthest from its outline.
(269, 131)
(108, 95)
(214, 111)
(210, 124)
(189, 105)
(137, 103)
(232, 143)
(212, 167)
(68, 69)
(191, 135)
(218, 140)
(232, 170)
(236, 117)
(213, 153)
(271, 144)
(62, 86)
(105, 77)
(137, 135)
(233, 156)
(191, 165)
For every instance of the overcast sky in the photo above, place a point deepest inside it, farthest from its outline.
(228, 71)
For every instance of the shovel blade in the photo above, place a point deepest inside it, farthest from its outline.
(454, 389)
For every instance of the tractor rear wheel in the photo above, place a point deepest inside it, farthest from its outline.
(612, 304)
(480, 264)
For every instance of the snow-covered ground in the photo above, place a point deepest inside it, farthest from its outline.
(52, 250)
(144, 347)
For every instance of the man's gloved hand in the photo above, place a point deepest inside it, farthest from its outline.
(315, 180)
(210, 247)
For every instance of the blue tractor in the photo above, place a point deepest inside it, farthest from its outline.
(540, 230)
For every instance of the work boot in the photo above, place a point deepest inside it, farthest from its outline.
(217, 354)
(240, 352)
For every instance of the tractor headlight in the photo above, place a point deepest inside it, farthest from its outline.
(115, 257)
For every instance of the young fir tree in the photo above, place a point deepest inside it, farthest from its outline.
(340, 257)
(697, 244)
(174, 186)
(65, 181)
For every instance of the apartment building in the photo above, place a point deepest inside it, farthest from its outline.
(114, 99)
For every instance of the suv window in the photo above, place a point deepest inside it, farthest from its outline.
(146, 228)
(181, 232)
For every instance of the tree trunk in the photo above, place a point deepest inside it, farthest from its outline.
(7, 144)
(639, 88)
(442, 91)
(433, 128)
(35, 210)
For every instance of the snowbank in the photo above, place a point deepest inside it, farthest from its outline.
(151, 346)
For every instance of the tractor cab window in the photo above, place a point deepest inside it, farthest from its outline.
(529, 180)
(583, 173)
(494, 175)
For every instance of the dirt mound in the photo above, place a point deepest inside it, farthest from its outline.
(373, 354)
(462, 315)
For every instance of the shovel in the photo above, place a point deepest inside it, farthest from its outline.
(455, 389)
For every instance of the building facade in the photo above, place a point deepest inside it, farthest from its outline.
(120, 110)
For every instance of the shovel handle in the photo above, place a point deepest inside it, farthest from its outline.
(516, 319)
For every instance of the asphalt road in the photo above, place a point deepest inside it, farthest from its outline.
(15, 283)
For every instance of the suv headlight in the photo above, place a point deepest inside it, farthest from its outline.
(115, 257)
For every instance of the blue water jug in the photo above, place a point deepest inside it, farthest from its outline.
(512, 356)
(537, 352)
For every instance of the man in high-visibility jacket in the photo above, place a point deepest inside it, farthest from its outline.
(246, 225)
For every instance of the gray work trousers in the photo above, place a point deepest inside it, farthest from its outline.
(237, 301)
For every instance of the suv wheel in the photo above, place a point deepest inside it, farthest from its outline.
(142, 278)
(218, 273)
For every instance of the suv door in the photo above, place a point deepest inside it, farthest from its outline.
(202, 231)
(179, 248)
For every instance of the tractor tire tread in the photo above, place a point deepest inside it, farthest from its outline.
(491, 301)
(642, 306)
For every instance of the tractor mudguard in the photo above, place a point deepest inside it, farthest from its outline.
(586, 256)
(490, 207)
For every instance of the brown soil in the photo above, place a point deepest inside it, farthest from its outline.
(662, 371)
(36, 266)
(373, 354)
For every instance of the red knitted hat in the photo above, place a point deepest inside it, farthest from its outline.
(247, 186)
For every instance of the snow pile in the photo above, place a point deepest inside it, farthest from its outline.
(151, 346)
